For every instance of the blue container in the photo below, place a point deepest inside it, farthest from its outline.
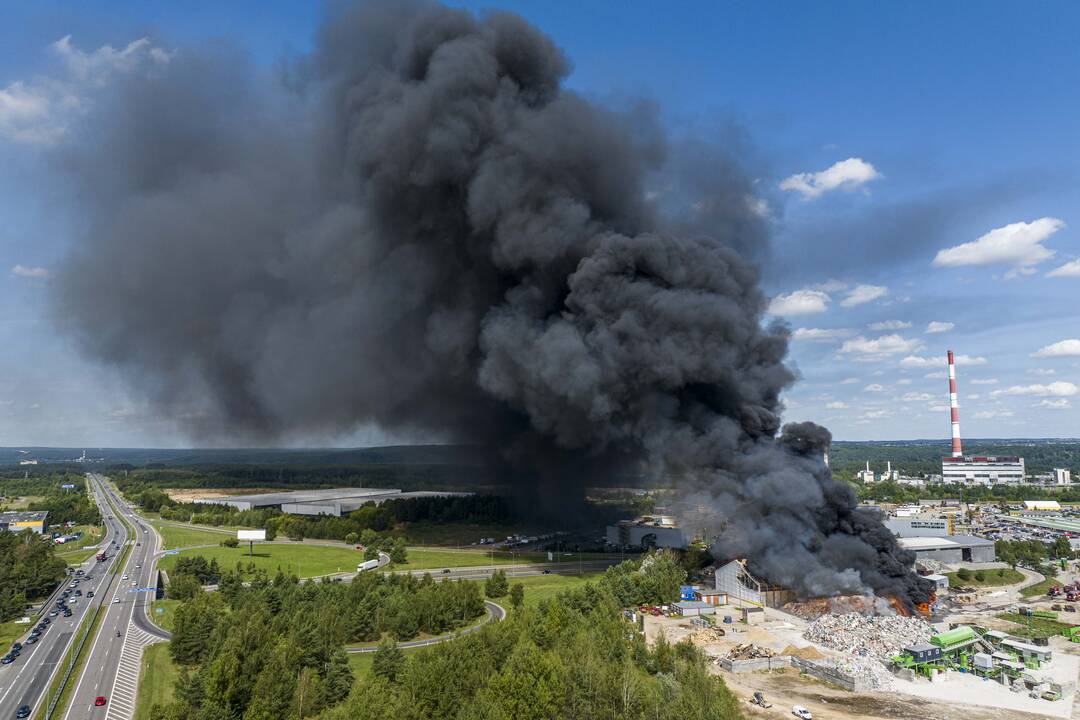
(727, 619)
(686, 592)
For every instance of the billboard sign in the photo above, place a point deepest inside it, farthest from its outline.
(250, 534)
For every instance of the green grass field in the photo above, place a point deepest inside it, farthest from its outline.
(1039, 588)
(1033, 626)
(544, 587)
(9, 632)
(990, 578)
(361, 663)
(173, 536)
(163, 619)
(155, 680)
(436, 559)
(298, 559)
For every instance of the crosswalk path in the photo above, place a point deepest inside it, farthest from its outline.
(126, 687)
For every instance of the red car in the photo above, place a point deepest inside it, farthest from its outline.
(99, 700)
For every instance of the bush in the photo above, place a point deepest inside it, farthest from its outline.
(964, 574)
(230, 542)
(496, 585)
(980, 575)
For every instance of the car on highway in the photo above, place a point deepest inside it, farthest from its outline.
(99, 700)
(23, 712)
(54, 613)
(446, 571)
(124, 578)
(7, 660)
(67, 613)
(89, 593)
(16, 647)
(115, 600)
(31, 640)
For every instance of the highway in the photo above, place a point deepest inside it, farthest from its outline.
(112, 667)
(25, 681)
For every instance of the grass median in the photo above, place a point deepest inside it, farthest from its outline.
(157, 677)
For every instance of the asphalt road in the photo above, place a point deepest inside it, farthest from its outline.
(494, 612)
(123, 631)
(25, 681)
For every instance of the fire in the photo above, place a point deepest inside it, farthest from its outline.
(898, 606)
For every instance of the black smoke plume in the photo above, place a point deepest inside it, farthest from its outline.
(416, 225)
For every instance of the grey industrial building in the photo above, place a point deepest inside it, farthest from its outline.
(951, 548)
(35, 521)
(335, 501)
(738, 583)
(648, 531)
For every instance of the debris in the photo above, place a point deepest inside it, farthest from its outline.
(806, 653)
(749, 651)
(873, 636)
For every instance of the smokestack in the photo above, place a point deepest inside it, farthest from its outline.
(954, 409)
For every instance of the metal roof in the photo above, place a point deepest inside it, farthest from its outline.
(23, 516)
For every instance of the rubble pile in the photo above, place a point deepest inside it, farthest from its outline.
(862, 669)
(872, 636)
(709, 635)
(749, 651)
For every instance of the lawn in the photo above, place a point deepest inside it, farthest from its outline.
(990, 578)
(1040, 588)
(435, 559)
(361, 663)
(298, 559)
(155, 680)
(1033, 626)
(76, 557)
(91, 535)
(544, 587)
(163, 619)
(174, 536)
(9, 632)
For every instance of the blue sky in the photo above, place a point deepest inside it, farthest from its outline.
(917, 162)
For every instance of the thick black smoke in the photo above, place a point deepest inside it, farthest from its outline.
(419, 227)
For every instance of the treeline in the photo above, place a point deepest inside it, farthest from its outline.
(1034, 554)
(274, 648)
(28, 570)
(895, 492)
(69, 506)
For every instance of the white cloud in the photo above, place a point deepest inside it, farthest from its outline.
(799, 302)
(837, 405)
(1041, 371)
(758, 206)
(831, 286)
(1061, 404)
(917, 397)
(820, 333)
(1054, 389)
(1065, 348)
(938, 407)
(890, 325)
(28, 271)
(989, 414)
(876, 414)
(939, 327)
(862, 294)
(903, 381)
(867, 350)
(1069, 269)
(846, 174)
(984, 381)
(849, 381)
(1017, 244)
(38, 112)
(939, 375)
(916, 361)
(972, 396)
(874, 387)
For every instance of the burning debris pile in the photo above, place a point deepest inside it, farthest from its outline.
(417, 228)
(871, 636)
(838, 605)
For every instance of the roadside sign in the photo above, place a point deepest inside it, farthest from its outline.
(172, 552)
(159, 611)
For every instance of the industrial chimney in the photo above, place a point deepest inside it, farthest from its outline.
(954, 409)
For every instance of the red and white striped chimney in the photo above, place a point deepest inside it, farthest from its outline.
(954, 409)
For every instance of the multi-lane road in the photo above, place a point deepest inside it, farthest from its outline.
(26, 681)
(112, 665)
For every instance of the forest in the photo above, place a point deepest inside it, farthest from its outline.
(274, 648)
(924, 457)
(28, 570)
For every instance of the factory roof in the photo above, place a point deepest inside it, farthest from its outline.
(936, 577)
(1042, 505)
(708, 592)
(921, 647)
(23, 516)
(693, 605)
(943, 543)
(1026, 647)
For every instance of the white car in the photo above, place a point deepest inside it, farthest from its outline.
(800, 712)
(115, 600)
(125, 577)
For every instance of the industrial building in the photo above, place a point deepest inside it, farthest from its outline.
(36, 521)
(648, 531)
(920, 526)
(737, 582)
(950, 549)
(336, 501)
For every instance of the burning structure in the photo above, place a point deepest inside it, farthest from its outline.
(419, 229)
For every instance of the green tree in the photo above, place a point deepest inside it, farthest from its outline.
(517, 596)
(496, 586)
(964, 574)
(351, 538)
(397, 552)
(183, 586)
(388, 661)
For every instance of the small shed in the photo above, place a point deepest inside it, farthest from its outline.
(753, 615)
(693, 608)
(712, 597)
(940, 581)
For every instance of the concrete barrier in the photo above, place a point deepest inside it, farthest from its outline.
(830, 675)
(757, 664)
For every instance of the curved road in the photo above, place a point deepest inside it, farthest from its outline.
(494, 612)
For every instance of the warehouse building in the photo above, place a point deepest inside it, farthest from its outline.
(950, 549)
(648, 531)
(989, 470)
(334, 501)
(920, 526)
(737, 582)
(36, 521)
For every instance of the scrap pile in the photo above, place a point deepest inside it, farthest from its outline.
(873, 636)
(866, 671)
(749, 651)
